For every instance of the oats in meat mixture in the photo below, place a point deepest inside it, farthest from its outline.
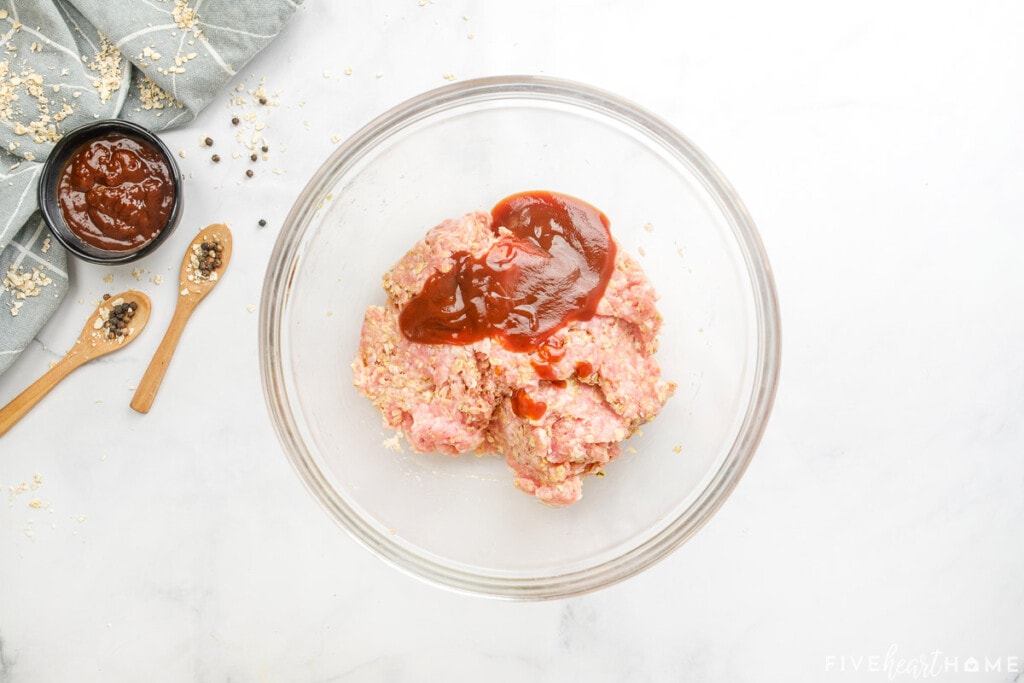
(596, 391)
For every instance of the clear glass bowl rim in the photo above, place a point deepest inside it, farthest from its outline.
(280, 271)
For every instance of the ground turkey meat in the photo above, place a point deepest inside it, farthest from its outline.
(454, 399)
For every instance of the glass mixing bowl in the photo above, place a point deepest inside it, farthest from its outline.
(459, 521)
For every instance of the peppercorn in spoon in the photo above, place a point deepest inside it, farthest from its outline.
(204, 263)
(114, 324)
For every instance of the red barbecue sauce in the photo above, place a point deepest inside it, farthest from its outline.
(526, 407)
(116, 192)
(551, 268)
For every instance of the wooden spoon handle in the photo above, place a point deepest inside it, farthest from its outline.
(26, 400)
(150, 383)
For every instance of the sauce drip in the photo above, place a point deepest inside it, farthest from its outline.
(550, 267)
(525, 407)
(116, 192)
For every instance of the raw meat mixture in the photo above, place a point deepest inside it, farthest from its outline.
(600, 386)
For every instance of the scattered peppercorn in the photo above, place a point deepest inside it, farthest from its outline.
(234, 120)
(118, 318)
(206, 258)
(264, 149)
(263, 100)
(105, 296)
(215, 158)
(253, 156)
(263, 222)
(248, 173)
(208, 142)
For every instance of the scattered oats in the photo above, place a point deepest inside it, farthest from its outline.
(80, 518)
(278, 171)
(448, 76)
(471, 37)
(153, 96)
(29, 156)
(640, 250)
(631, 449)
(157, 279)
(678, 448)
(648, 227)
(107, 65)
(185, 16)
(109, 277)
(181, 153)
(330, 314)
(35, 503)
(3, 14)
(251, 307)
(348, 71)
(137, 273)
(46, 245)
(21, 284)
(379, 75)
(394, 443)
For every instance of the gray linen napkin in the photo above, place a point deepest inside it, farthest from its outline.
(68, 62)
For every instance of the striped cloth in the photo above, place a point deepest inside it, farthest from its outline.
(68, 62)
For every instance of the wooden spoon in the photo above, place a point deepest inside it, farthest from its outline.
(95, 341)
(196, 281)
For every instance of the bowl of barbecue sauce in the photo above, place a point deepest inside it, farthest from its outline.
(110, 192)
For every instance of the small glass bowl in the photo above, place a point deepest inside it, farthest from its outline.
(459, 522)
(50, 178)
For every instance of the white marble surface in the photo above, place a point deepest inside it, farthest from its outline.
(878, 534)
